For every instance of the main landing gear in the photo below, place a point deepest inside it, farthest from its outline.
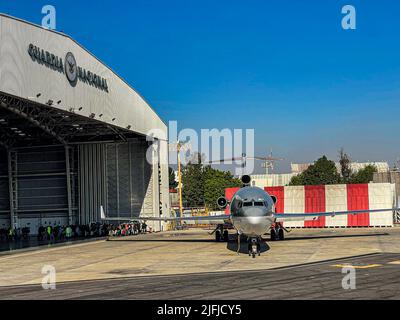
(277, 232)
(221, 234)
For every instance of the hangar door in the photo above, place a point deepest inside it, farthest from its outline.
(116, 176)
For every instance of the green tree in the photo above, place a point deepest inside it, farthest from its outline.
(204, 185)
(365, 175)
(215, 183)
(193, 183)
(172, 178)
(296, 180)
(323, 171)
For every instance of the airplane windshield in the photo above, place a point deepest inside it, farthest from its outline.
(258, 204)
(247, 204)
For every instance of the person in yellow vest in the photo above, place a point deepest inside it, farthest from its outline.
(49, 232)
(11, 233)
(68, 232)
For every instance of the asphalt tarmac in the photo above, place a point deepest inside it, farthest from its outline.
(376, 277)
(188, 265)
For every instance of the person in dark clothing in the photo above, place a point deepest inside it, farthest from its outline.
(40, 233)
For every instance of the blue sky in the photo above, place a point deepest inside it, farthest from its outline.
(285, 68)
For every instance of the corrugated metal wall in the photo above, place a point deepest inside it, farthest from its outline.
(128, 179)
(378, 199)
(336, 200)
(40, 186)
(114, 175)
(4, 194)
(294, 203)
(357, 199)
(315, 201)
(92, 182)
(41, 180)
(279, 194)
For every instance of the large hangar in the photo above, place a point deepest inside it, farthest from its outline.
(74, 136)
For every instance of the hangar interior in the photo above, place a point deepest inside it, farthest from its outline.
(58, 168)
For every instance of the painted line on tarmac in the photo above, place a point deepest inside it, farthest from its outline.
(321, 262)
(357, 267)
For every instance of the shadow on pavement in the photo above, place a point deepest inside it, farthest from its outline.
(232, 245)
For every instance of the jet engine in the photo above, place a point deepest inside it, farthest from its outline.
(246, 180)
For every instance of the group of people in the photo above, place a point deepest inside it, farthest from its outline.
(11, 234)
(128, 229)
(72, 231)
(69, 232)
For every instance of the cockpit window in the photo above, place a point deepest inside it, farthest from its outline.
(247, 204)
(259, 204)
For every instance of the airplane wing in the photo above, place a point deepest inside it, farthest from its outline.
(218, 218)
(281, 217)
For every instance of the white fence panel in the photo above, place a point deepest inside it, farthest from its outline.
(380, 197)
(336, 200)
(294, 203)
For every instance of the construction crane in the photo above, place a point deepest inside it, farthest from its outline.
(268, 162)
(178, 147)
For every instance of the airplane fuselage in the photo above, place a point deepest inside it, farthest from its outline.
(252, 211)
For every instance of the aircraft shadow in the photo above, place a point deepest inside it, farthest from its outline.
(232, 245)
(167, 240)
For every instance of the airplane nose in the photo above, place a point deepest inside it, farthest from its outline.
(255, 212)
(253, 220)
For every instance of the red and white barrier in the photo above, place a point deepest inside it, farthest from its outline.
(297, 199)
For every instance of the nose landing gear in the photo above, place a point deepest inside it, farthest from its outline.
(254, 247)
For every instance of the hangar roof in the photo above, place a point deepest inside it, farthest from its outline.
(39, 81)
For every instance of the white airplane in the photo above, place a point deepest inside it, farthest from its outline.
(252, 214)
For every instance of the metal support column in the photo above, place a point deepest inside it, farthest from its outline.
(117, 173)
(73, 182)
(130, 178)
(160, 194)
(12, 186)
(69, 193)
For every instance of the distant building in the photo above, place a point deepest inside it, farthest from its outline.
(298, 168)
(271, 180)
(391, 177)
(283, 179)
